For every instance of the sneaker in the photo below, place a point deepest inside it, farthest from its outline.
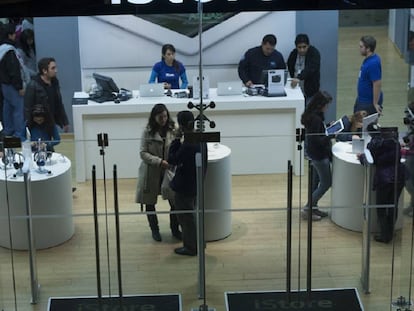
(305, 215)
(319, 213)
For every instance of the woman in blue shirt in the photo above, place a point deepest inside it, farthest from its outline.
(169, 71)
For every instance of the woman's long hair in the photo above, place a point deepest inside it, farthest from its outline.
(317, 103)
(24, 36)
(164, 50)
(356, 119)
(48, 123)
(153, 126)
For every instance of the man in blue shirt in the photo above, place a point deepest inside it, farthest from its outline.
(369, 96)
(260, 58)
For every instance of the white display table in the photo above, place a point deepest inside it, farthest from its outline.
(51, 197)
(347, 194)
(253, 127)
(217, 193)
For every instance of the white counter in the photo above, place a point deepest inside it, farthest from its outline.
(260, 131)
(51, 196)
(347, 194)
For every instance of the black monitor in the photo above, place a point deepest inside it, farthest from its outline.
(108, 86)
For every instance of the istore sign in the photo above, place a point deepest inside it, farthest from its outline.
(111, 7)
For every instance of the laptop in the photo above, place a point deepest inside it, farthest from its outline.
(229, 88)
(151, 90)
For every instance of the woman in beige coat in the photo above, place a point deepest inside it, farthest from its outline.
(155, 142)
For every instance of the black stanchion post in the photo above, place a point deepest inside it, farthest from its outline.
(289, 232)
(118, 240)
(310, 213)
(103, 142)
(95, 219)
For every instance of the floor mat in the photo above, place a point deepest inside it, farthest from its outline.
(170, 302)
(346, 299)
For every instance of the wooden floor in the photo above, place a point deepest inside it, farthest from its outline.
(252, 258)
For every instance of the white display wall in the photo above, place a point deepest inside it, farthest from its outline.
(125, 47)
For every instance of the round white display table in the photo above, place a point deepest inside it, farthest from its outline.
(347, 194)
(217, 193)
(51, 198)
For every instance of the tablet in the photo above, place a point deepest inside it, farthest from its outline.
(335, 128)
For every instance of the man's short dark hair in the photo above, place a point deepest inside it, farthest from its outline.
(302, 38)
(43, 64)
(271, 39)
(369, 42)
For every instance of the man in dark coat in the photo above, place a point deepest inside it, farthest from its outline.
(304, 64)
(44, 90)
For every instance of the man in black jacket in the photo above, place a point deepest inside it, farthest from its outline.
(304, 64)
(12, 86)
(260, 58)
(44, 90)
(184, 183)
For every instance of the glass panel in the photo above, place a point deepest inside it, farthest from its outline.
(253, 257)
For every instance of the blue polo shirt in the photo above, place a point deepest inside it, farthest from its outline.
(370, 71)
(170, 74)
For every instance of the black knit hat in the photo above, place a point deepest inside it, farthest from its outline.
(186, 119)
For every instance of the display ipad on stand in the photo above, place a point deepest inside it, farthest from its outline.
(372, 118)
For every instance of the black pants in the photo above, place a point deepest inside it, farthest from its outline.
(187, 220)
(387, 216)
(153, 219)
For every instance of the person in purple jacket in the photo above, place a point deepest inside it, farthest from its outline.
(169, 70)
(389, 177)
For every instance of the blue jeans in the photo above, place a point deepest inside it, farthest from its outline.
(369, 108)
(13, 112)
(321, 179)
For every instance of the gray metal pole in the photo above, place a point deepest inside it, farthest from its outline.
(366, 230)
(34, 285)
(200, 227)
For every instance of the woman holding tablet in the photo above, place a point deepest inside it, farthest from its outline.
(169, 71)
(319, 149)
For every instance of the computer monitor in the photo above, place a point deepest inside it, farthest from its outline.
(108, 86)
(282, 73)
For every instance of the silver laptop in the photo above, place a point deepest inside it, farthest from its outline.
(229, 88)
(151, 90)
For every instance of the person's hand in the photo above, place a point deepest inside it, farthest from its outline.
(294, 82)
(21, 92)
(249, 83)
(164, 164)
(66, 128)
(167, 86)
(378, 109)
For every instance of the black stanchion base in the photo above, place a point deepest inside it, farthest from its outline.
(168, 302)
(346, 299)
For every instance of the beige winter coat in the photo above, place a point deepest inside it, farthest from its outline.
(153, 150)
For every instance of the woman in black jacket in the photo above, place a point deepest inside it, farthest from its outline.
(319, 150)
